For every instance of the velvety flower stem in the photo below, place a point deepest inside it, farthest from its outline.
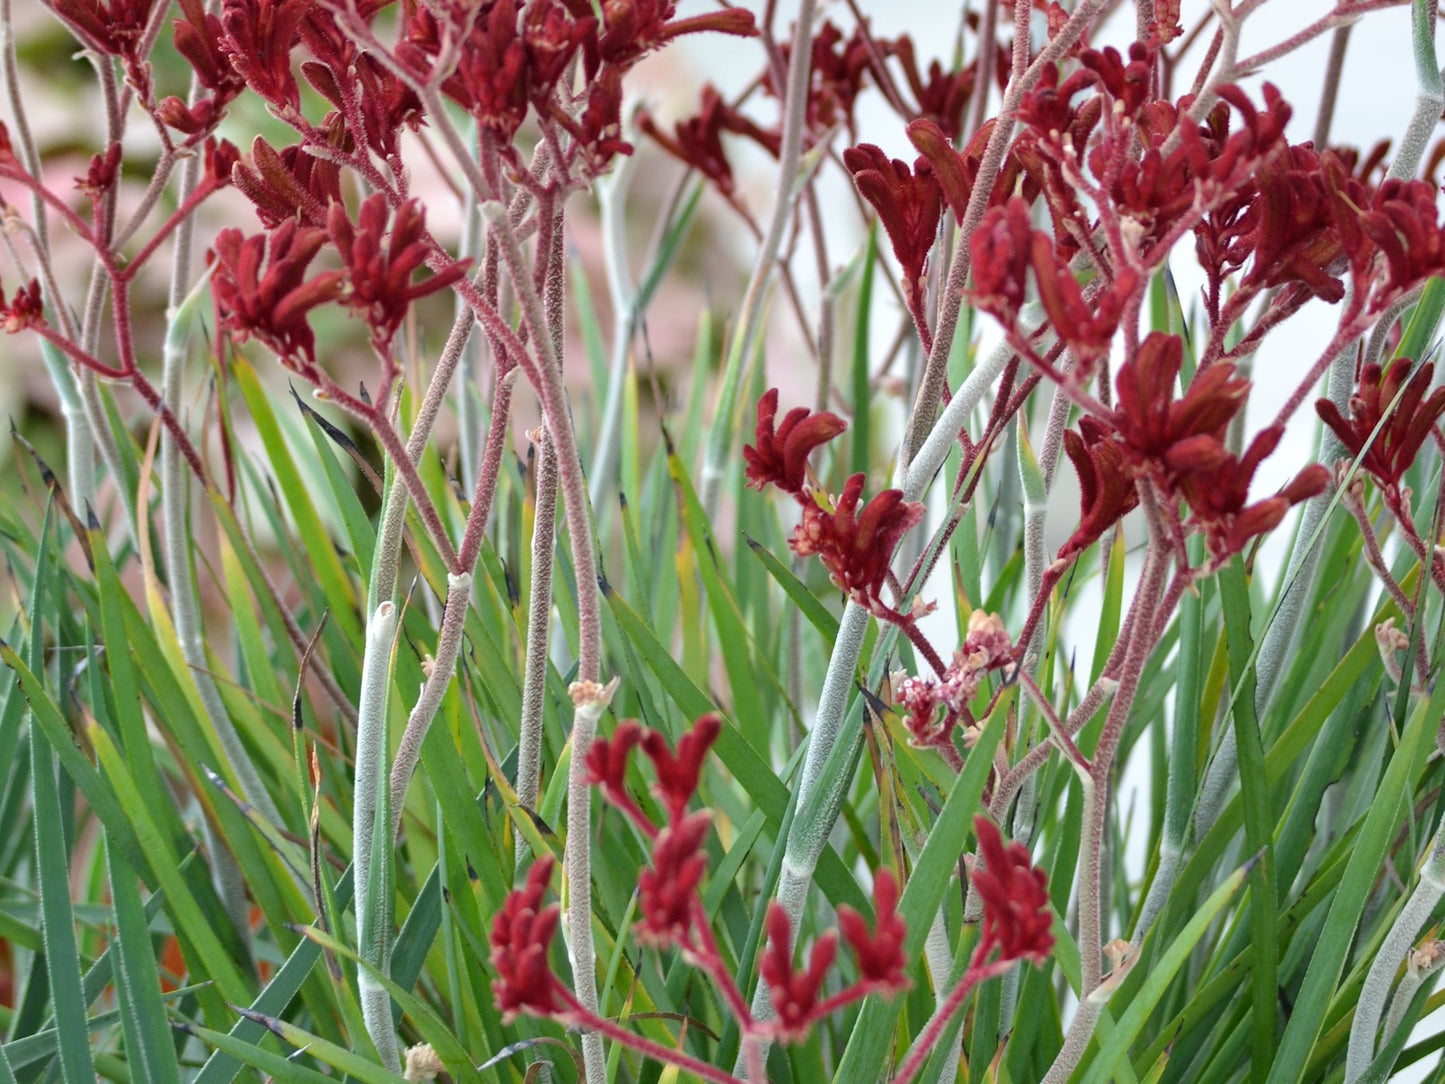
(539, 618)
(373, 933)
(750, 320)
(569, 465)
(611, 200)
(1403, 931)
(978, 972)
(1429, 92)
(449, 642)
(1330, 84)
(592, 1023)
(590, 700)
(1080, 1032)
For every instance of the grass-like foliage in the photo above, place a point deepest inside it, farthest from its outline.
(501, 702)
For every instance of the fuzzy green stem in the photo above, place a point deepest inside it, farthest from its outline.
(449, 642)
(1393, 950)
(591, 699)
(372, 929)
(611, 199)
(1412, 980)
(539, 618)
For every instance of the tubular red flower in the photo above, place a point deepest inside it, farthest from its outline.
(1150, 421)
(668, 889)
(112, 27)
(379, 268)
(1217, 489)
(273, 306)
(1016, 913)
(607, 762)
(1107, 490)
(521, 935)
(857, 549)
(1404, 425)
(794, 993)
(878, 951)
(678, 775)
(1002, 248)
(909, 204)
(24, 310)
(257, 36)
(780, 456)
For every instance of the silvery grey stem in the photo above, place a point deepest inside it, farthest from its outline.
(750, 321)
(1429, 92)
(1396, 945)
(1422, 963)
(539, 619)
(611, 200)
(590, 700)
(444, 662)
(1393, 950)
(373, 933)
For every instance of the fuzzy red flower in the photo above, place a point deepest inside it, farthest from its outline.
(836, 79)
(795, 993)
(1151, 422)
(379, 268)
(678, 775)
(855, 548)
(781, 454)
(599, 131)
(697, 141)
(1217, 490)
(257, 37)
(1088, 327)
(879, 951)
(521, 935)
(607, 762)
(1002, 248)
(1107, 491)
(1404, 426)
(101, 174)
(633, 28)
(290, 183)
(941, 96)
(1016, 913)
(273, 305)
(956, 171)
(668, 889)
(112, 27)
(24, 310)
(909, 204)
(1404, 225)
